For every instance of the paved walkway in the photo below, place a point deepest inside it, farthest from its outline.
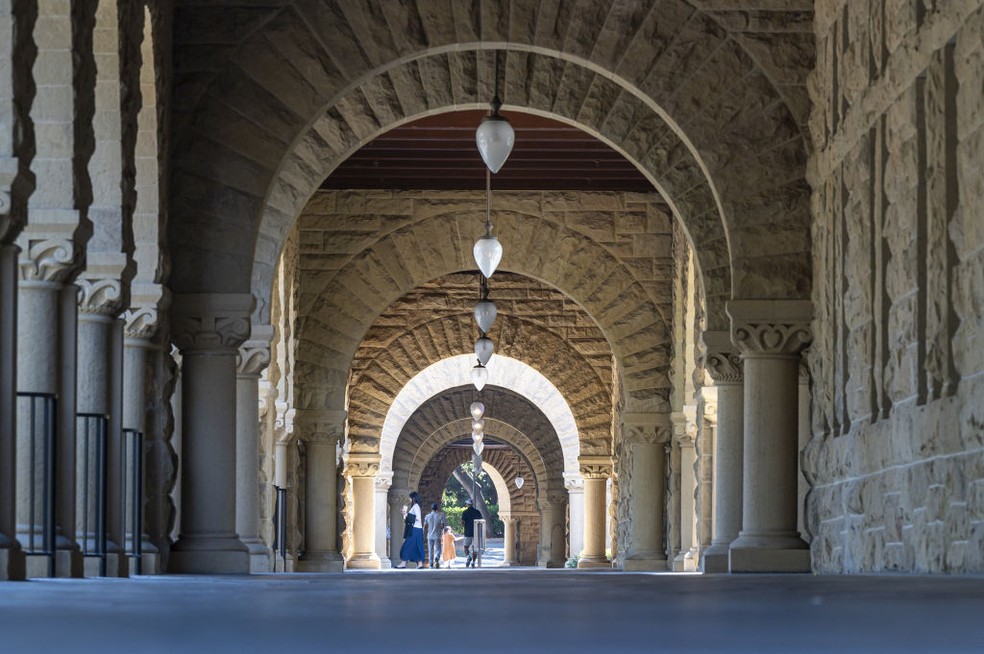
(513, 610)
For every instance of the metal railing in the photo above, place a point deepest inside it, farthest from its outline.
(36, 426)
(280, 529)
(478, 542)
(91, 434)
(132, 461)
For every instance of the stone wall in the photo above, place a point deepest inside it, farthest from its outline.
(896, 459)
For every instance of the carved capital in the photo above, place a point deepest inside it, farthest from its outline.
(384, 480)
(360, 466)
(52, 260)
(721, 360)
(398, 498)
(595, 467)
(211, 322)
(646, 428)
(321, 426)
(140, 322)
(253, 358)
(104, 297)
(685, 426)
(770, 327)
(573, 483)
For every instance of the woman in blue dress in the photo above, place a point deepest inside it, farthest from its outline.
(413, 545)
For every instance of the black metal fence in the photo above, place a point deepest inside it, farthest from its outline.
(36, 426)
(91, 435)
(280, 529)
(132, 475)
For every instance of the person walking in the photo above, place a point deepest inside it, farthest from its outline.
(468, 518)
(448, 555)
(413, 543)
(435, 522)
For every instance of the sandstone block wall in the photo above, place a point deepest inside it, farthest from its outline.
(896, 457)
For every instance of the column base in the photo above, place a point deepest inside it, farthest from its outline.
(594, 563)
(549, 564)
(715, 559)
(364, 561)
(13, 564)
(684, 562)
(117, 564)
(209, 555)
(644, 562)
(384, 563)
(148, 563)
(320, 562)
(769, 553)
(259, 555)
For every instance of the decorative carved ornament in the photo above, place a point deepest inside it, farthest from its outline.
(253, 358)
(724, 367)
(771, 327)
(321, 426)
(100, 296)
(595, 467)
(646, 428)
(384, 480)
(361, 468)
(574, 484)
(211, 322)
(140, 323)
(48, 261)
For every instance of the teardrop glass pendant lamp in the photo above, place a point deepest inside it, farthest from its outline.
(485, 314)
(477, 410)
(479, 375)
(484, 347)
(495, 138)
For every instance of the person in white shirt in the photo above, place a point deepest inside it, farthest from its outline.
(413, 542)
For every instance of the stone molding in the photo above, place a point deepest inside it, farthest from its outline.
(321, 426)
(771, 327)
(140, 323)
(361, 466)
(721, 360)
(102, 297)
(595, 467)
(52, 260)
(646, 428)
(211, 322)
(573, 484)
(685, 426)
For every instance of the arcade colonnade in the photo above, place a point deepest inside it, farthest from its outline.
(817, 169)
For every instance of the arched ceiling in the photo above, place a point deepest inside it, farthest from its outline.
(703, 99)
(536, 325)
(506, 463)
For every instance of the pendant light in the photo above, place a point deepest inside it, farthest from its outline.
(488, 249)
(485, 311)
(478, 446)
(479, 375)
(495, 137)
(478, 427)
(483, 349)
(477, 410)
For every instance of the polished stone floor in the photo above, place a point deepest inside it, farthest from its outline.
(516, 610)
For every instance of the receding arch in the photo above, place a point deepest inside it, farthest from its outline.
(453, 373)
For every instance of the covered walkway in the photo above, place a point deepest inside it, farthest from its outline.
(504, 611)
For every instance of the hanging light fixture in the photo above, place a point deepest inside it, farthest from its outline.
(478, 446)
(485, 311)
(519, 481)
(483, 349)
(495, 136)
(477, 410)
(478, 427)
(488, 249)
(479, 375)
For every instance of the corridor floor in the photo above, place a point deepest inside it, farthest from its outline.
(519, 610)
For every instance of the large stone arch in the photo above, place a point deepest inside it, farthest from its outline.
(340, 312)
(515, 339)
(506, 464)
(451, 373)
(665, 82)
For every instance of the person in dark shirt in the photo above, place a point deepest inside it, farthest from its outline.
(468, 518)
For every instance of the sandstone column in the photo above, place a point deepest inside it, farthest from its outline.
(552, 529)
(398, 498)
(596, 470)
(321, 432)
(140, 324)
(770, 336)
(684, 431)
(645, 434)
(362, 469)
(99, 347)
(508, 539)
(12, 561)
(209, 329)
(725, 368)
(254, 356)
(574, 484)
(382, 485)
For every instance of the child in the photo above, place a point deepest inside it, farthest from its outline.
(448, 538)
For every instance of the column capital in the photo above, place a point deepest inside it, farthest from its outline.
(361, 465)
(49, 260)
(556, 496)
(595, 467)
(721, 360)
(253, 358)
(211, 322)
(321, 426)
(398, 498)
(770, 327)
(685, 425)
(102, 297)
(573, 482)
(142, 319)
(384, 480)
(646, 428)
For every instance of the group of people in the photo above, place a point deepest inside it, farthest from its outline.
(440, 537)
